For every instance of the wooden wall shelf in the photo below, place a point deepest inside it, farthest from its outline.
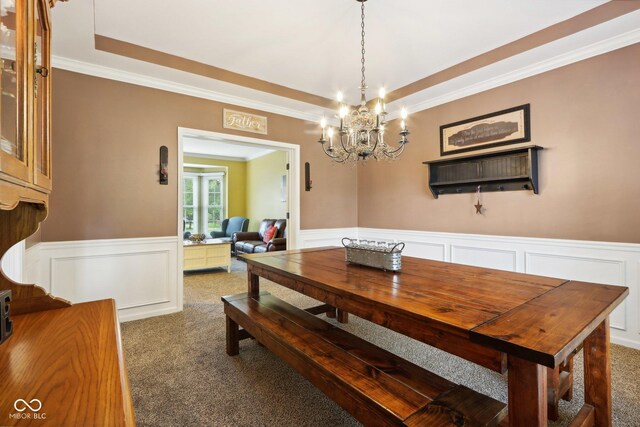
(504, 170)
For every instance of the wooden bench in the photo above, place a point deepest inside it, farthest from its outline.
(375, 386)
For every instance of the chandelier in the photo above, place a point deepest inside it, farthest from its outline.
(361, 132)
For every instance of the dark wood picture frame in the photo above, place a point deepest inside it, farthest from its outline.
(489, 130)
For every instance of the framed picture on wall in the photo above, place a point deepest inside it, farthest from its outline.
(503, 127)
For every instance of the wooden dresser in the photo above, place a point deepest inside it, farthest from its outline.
(63, 364)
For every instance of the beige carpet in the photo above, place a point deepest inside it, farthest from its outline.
(181, 376)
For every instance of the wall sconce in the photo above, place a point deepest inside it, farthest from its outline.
(307, 176)
(164, 165)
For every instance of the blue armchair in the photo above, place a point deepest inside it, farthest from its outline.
(235, 224)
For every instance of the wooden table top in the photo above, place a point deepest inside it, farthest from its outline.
(71, 360)
(540, 319)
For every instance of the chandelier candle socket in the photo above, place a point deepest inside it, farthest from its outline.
(361, 130)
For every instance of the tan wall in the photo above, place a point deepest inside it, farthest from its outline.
(236, 182)
(106, 138)
(264, 176)
(585, 115)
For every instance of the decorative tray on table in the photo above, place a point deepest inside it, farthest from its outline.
(198, 238)
(382, 255)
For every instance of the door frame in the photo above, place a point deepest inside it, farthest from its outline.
(293, 157)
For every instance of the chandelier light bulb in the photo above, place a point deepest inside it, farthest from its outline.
(323, 123)
(343, 112)
(381, 93)
(339, 96)
(378, 108)
(330, 132)
(403, 114)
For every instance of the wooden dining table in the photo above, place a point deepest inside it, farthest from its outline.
(497, 319)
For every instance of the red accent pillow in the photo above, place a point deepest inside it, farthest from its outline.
(269, 233)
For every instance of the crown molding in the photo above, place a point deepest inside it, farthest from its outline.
(454, 89)
(101, 71)
(567, 58)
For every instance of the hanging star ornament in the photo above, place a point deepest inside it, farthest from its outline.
(478, 207)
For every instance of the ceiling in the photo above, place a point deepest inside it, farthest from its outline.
(313, 47)
(211, 148)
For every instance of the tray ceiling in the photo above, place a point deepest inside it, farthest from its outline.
(309, 46)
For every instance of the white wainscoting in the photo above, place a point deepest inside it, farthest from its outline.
(12, 262)
(325, 237)
(140, 274)
(598, 262)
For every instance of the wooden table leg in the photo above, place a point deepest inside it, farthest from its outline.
(233, 337)
(597, 373)
(254, 283)
(343, 316)
(331, 314)
(527, 393)
(559, 386)
(553, 384)
(568, 396)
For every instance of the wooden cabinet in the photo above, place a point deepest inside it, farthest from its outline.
(25, 135)
(42, 96)
(14, 153)
(69, 358)
(25, 148)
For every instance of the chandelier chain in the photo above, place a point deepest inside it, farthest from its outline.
(362, 83)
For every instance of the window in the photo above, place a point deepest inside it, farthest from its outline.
(203, 202)
(214, 202)
(190, 203)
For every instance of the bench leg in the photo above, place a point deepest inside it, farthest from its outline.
(331, 314)
(233, 337)
(343, 316)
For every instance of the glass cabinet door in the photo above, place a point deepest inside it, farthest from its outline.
(13, 144)
(42, 95)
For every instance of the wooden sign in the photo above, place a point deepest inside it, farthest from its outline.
(243, 121)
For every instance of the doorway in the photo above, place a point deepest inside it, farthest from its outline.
(288, 187)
